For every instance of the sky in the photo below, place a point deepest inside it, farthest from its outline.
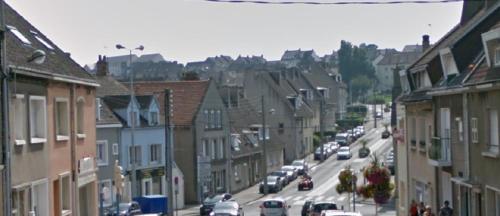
(192, 30)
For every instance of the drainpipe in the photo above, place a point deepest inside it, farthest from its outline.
(408, 180)
(466, 134)
(74, 164)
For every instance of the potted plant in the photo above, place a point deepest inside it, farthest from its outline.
(379, 185)
(363, 151)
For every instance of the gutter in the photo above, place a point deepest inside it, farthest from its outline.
(48, 75)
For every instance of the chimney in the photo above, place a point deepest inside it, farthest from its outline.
(102, 66)
(425, 43)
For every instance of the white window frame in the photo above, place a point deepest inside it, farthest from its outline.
(137, 155)
(158, 154)
(20, 129)
(211, 119)
(43, 138)
(493, 137)
(143, 183)
(116, 150)
(98, 109)
(218, 119)
(221, 148)
(212, 149)
(474, 130)
(205, 118)
(105, 160)
(152, 120)
(61, 136)
(80, 119)
(18, 35)
(62, 177)
(497, 55)
(204, 147)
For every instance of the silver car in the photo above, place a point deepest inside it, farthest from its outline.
(274, 207)
(228, 208)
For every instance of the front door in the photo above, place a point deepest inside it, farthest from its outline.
(40, 199)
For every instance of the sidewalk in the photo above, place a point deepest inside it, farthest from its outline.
(245, 196)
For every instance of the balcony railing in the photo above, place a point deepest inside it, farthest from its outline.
(439, 152)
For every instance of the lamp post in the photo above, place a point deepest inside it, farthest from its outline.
(133, 118)
(264, 149)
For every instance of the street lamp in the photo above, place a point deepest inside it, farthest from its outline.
(132, 128)
(264, 150)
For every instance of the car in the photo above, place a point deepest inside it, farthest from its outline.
(209, 202)
(342, 139)
(334, 146)
(361, 129)
(274, 207)
(344, 152)
(339, 213)
(306, 208)
(379, 115)
(305, 183)
(291, 172)
(352, 134)
(228, 208)
(389, 163)
(273, 184)
(126, 209)
(386, 134)
(317, 154)
(327, 149)
(283, 177)
(301, 166)
(318, 207)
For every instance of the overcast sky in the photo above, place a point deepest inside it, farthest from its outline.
(191, 30)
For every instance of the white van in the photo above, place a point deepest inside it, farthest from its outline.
(274, 207)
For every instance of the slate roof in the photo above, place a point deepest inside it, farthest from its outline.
(399, 58)
(117, 102)
(110, 86)
(57, 64)
(187, 97)
(106, 115)
(416, 96)
(484, 74)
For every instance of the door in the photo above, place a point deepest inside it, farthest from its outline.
(39, 196)
(445, 132)
(446, 193)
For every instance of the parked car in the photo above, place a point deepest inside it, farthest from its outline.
(228, 208)
(361, 128)
(317, 154)
(328, 150)
(283, 177)
(291, 172)
(152, 204)
(306, 208)
(344, 152)
(386, 134)
(318, 207)
(126, 209)
(274, 207)
(334, 146)
(342, 139)
(305, 183)
(273, 184)
(389, 163)
(351, 134)
(339, 213)
(209, 202)
(379, 115)
(301, 165)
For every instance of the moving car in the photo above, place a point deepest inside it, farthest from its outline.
(228, 208)
(306, 208)
(301, 166)
(318, 207)
(283, 177)
(305, 183)
(291, 172)
(342, 139)
(274, 207)
(344, 152)
(339, 213)
(209, 202)
(126, 209)
(386, 134)
(389, 162)
(273, 184)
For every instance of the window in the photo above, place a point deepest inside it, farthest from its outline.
(102, 152)
(137, 153)
(19, 201)
(19, 35)
(79, 118)
(218, 119)
(493, 118)
(222, 148)
(205, 148)
(205, 118)
(133, 116)
(98, 109)
(62, 119)
(155, 153)
(147, 184)
(41, 40)
(211, 119)
(38, 119)
(474, 130)
(235, 142)
(262, 135)
(115, 149)
(497, 56)
(19, 113)
(423, 137)
(212, 150)
(65, 188)
(413, 131)
(153, 118)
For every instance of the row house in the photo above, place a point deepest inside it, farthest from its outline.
(201, 134)
(52, 103)
(451, 118)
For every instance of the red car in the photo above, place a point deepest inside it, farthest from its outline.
(305, 183)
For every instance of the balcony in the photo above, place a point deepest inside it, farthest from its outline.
(439, 152)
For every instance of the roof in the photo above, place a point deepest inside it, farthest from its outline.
(58, 64)
(155, 57)
(109, 86)
(412, 48)
(484, 74)
(416, 96)
(106, 115)
(117, 102)
(399, 58)
(187, 97)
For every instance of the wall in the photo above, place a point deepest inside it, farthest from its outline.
(111, 135)
(185, 157)
(144, 137)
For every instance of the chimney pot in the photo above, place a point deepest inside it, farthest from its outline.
(102, 66)
(425, 43)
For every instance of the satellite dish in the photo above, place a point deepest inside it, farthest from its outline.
(38, 57)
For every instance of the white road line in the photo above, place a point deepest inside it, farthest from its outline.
(377, 145)
(300, 202)
(330, 198)
(319, 198)
(340, 199)
(324, 187)
(288, 198)
(297, 198)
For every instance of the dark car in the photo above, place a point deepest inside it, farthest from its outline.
(273, 184)
(283, 177)
(126, 209)
(305, 183)
(306, 208)
(317, 154)
(209, 203)
(386, 134)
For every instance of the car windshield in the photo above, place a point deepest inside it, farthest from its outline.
(273, 204)
(324, 206)
(344, 149)
(212, 199)
(278, 173)
(226, 206)
(272, 179)
(297, 163)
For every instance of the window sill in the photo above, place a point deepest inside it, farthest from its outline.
(35, 140)
(413, 147)
(422, 150)
(62, 138)
(66, 212)
(80, 136)
(20, 142)
(490, 154)
(102, 163)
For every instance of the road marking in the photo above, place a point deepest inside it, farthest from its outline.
(377, 145)
(324, 187)
(358, 160)
(288, 198)
(319, 198)
(340, 199)
(297, 198)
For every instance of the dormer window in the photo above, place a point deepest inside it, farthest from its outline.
(133, 118)
(153, 118)
(448, 62)
(306, 93)
(295, 101)
(324, 92)
(19, 35)
(491, 44)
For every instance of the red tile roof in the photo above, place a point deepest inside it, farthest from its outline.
(187, 97)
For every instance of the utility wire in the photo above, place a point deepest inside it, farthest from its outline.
(334, 3)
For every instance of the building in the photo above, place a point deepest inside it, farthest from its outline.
(51, 139)
(388, 62)
(201, 135)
